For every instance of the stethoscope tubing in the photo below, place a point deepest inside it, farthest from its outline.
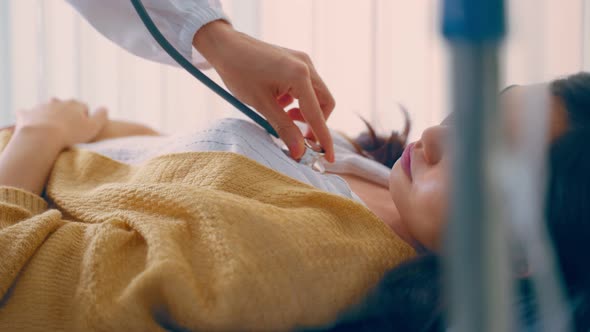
(313, 153)
(199, 75)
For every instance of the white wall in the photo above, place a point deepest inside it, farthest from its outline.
(372, 54)
(5, 67)
(546, 39)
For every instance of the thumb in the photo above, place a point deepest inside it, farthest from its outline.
(98, 120)
(285, 127)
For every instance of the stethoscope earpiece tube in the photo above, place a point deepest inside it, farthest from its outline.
(188, 66)
(313, 153)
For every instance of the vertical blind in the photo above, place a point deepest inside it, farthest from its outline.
(372, 54)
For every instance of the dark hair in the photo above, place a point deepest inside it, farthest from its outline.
(568, 196)
(383, 149)
(574, 92)
(409, 298)
(406, 299)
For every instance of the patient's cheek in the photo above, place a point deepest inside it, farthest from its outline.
(429, 212)
(399, 186)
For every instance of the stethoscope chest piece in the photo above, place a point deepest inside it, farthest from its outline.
(313, 156)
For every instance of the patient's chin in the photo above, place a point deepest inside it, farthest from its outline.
(397, 181)
(399, 190)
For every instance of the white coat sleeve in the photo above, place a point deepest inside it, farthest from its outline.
(178, 20)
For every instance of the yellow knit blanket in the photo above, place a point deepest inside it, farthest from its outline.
(195, 241)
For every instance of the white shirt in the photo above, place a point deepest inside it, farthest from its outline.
(250, 140)
(179, 20)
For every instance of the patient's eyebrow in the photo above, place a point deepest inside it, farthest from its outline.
(508, 88)
(449, 119)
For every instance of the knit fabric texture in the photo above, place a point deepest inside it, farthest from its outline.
(208, 241)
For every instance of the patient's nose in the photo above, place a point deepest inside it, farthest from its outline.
(434, 141)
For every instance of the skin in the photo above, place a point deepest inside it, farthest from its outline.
(417, 207)
(42, 132)
(267, 77)
(422, 200)
(40, 135)
(270, 78)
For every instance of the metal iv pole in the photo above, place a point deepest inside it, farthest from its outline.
(476, 260)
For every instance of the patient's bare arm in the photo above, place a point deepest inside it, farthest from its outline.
(40, 135)
(27, 160)
(116, 129)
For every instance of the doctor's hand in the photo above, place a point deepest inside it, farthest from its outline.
(269, 78)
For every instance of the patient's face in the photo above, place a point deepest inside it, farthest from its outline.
(419, 184)
(420, 179)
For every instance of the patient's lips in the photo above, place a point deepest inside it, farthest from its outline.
(406, 160)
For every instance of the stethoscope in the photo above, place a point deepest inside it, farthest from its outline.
(314, 153)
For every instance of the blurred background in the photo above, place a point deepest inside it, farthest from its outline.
(371, 53)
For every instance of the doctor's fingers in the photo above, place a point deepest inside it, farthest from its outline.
(323, 94)
(325, 98)
(295, 115)
(285, 100)
(285, 127)
(311, 111)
